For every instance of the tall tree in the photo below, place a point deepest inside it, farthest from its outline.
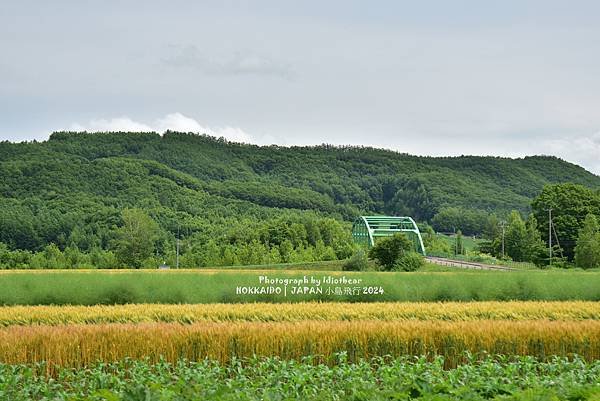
(587, 250)
(570, 203)
(492, 229)
(515, 237)
(136, 238)
(534, 248)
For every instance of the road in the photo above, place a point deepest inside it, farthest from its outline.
(461, 264)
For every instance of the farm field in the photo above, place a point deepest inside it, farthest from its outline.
(126, 335)
(80, 345)
(515, 378)
(469, 243)
(314, 311)
(106, 287)
(313, 351)
(186, 335)
(299, 201)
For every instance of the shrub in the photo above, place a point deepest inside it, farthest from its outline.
(358, 262)
(388, 251)
(410, 262)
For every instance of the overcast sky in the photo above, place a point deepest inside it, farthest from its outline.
(508, 78)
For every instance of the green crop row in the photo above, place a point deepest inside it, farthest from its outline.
(121, 287)
(504, 378)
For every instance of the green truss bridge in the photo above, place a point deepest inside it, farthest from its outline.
(367, 229)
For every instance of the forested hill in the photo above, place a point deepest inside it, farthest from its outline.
(332, 179)
(72, 187)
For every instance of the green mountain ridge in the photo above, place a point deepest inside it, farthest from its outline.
(71, 188)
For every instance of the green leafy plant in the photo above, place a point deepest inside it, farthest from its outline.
(410, 262)
(358, 262)
(388, 251)
(478, 378)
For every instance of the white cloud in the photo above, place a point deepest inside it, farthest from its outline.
(173, 122)
(114, 124)
(178, 122)
(583, 150)
(233, 134)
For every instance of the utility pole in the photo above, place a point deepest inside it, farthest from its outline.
(503, 225)
(177, 257)
(550, 235)
(455, 241)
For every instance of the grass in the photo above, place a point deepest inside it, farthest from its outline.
(265, 312)
(524, 379)
(469, 243)
(327, 265)
(85, 287)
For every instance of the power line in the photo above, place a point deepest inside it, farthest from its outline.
(557, 242)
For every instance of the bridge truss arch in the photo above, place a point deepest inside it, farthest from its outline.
(366, 230)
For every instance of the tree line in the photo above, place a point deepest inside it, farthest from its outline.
(564, 215)
(139, 242)
(341, 181)
(67, 201)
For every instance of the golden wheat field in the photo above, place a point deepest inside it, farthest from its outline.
(80, 345)
(82, 335)
(267, 312)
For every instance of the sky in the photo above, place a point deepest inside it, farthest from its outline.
(506, 78)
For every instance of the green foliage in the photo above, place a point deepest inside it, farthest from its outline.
(136, 238)
(459, 248)
(587, 250)
(410, 262)
(534, 249)
(492, 229)
(406, 378)
(412, 198)
(570, 205)
(232, 201)
(358, 262)
(522, 240)
(488, 247)
(388, 251)
(454, 219)
(515, 237)
(102, 287)
(435, 244)
(51, 257)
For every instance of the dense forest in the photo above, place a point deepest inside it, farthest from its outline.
(112, 199)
